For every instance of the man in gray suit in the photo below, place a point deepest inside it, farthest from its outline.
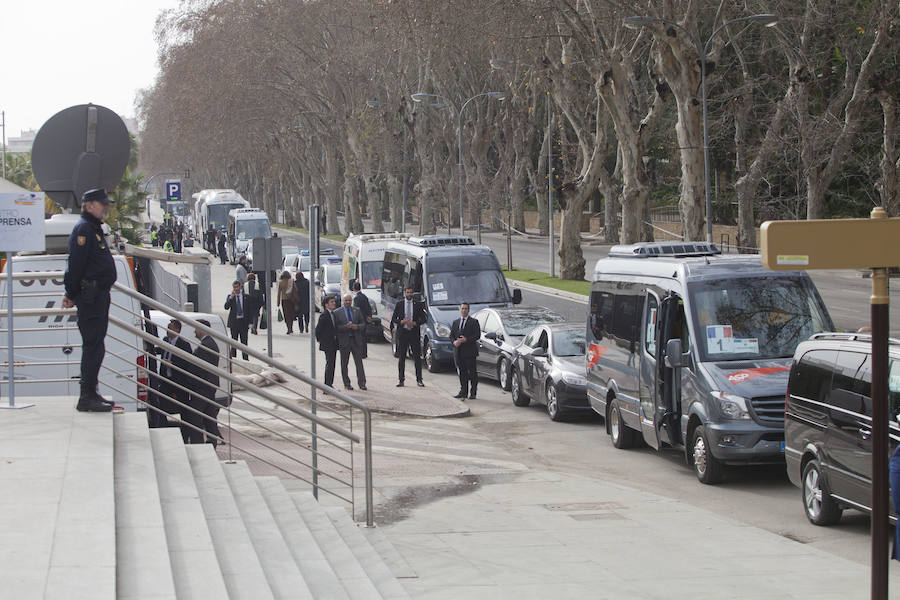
(351, 334)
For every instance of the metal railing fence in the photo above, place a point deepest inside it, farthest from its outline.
(263, 432)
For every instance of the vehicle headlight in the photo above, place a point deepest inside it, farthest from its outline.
(574, 379)
(734, 407)
(442, 330)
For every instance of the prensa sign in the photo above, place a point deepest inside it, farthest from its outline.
(22, 222)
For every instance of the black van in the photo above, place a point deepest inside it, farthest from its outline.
(691, 349)
(444, 270)
(828, 422)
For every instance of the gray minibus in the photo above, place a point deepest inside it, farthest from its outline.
(443, 270)
(688, 348)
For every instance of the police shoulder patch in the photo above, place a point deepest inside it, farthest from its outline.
(81, 240)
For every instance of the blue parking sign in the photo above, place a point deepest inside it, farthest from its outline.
(173, 191)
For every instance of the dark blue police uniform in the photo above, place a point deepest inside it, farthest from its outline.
(90, 273)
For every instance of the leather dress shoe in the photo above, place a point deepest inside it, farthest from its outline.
(400, 384)
(363, 388)
(93, 404)
(471, 396)
(460, 395)
(349, 388)
(420, 383)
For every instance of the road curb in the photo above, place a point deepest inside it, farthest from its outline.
(533, 287)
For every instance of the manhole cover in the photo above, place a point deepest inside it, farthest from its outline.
(607, 516)
(578, 506)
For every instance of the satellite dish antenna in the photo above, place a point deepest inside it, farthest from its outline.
(78, 149)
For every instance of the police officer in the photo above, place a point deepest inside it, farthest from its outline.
(90, 274)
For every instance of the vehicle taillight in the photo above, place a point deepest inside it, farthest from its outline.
(142, 378)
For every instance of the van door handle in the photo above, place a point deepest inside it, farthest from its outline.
(865, 433)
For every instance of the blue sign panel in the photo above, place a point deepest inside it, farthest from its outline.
(173, 191)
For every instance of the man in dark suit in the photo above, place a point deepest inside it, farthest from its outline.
(361, 302)
(240, 312)
(351, 331)
(465, 333)
(220, 247)
(172, 371)
(326, 335)
(205, 387)
(408, 316)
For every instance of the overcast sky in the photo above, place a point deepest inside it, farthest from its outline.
(60, 53)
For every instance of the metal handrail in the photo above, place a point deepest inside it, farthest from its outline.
(231, 343)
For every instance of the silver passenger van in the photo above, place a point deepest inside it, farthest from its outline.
(690, 349)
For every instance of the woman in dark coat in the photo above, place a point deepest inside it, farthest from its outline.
(257, 295)
(302, 285)
(287, 300)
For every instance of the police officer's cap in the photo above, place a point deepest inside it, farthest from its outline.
(96, 195)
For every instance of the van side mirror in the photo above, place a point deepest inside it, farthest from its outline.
(517, 296)
(540, 351)
(490, 335)
(674, 356)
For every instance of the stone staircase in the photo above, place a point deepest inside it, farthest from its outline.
(227, 534)
(100, 506)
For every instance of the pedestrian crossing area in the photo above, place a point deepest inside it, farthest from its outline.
(402, 446)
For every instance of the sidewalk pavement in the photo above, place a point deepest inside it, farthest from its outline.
(434, 400)
(554, 535)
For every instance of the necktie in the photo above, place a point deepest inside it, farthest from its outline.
(462, 325)
(347, 314)
(331, 314)
(240, 308)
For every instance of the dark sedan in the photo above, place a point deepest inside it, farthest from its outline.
(548, 366)
(502, 329)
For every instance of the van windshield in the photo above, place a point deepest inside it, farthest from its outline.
(474, 287)
(252, 228)
(218, 213)
(371, 274)
(755, 317)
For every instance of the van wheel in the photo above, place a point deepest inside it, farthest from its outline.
(707, 467)
(622, 435)
(820, 507)
(554, 410)
(430, 361)
(518, 398)
(503, 374)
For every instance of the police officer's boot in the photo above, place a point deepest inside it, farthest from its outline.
(90, 401)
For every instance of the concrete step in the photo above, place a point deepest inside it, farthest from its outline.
(243, 573)
(282, 573)
(195, 566)
(56, 477)
(368, 557)
(322, 580)
(143, 569)
(395, 561)
(348, 568)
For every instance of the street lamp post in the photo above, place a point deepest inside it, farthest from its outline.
(502, 63)
(766, 19)
(418, 97)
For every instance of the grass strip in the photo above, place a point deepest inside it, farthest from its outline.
(539, 278)
(336, 237)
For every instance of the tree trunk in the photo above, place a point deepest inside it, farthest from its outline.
(332, 191)
(395, 194)
(890, 162)
(373, 193)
